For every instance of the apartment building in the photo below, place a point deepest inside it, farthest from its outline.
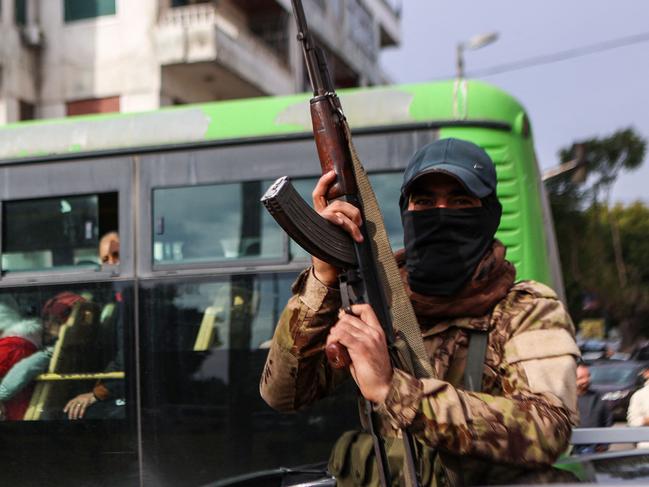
(70, 57)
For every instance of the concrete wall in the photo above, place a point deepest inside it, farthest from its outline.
(100, 57)
(123, 54)
(17, 67)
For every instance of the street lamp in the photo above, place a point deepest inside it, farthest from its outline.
(460, 108)
(579, 165)
(476, 42)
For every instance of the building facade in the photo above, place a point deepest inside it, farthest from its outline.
(71, 57)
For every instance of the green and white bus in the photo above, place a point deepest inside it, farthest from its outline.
(177, 332)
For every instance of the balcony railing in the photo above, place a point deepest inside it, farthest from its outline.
(206, 14)
(395, 5)
(197, 15)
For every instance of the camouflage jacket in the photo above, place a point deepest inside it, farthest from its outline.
(523, 415)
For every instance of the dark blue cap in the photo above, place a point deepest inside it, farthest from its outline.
(464, 160)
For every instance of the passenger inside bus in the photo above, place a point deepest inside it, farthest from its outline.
(30, 361)
(107, 397)
(20, 338)
(108, 393)
(109, 249)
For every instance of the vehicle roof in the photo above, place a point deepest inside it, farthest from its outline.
(254, 118)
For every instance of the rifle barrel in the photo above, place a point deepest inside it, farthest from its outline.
(310, 58)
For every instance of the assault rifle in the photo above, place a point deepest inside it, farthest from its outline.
(362, 273)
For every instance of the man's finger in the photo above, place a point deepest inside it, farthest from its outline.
(348, 340)
(366, 314)
(370, 334)
(343, 328)
(347, 209)
(349, 226)
(320, 191)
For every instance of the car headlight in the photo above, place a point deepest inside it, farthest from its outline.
(615, 395)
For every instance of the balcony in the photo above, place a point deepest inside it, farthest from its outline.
(388, 15)
(201, 35)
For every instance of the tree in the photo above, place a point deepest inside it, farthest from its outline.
(601, 252)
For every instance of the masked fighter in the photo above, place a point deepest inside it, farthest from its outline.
(460, 283)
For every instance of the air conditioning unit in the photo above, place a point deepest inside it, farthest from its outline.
(32, 36)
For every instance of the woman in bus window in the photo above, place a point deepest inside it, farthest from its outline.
(18, 377)
(20, 338)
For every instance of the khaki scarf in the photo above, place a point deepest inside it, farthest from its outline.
(490, 283)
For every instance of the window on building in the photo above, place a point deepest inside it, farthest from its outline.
(182, 3)
(20, 12)
(271, 27)
(92, 105)
(26, 110)
(221, 222)
(56, 233)
(361, 29)
(88, 9)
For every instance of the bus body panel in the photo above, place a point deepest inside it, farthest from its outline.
(205, 270)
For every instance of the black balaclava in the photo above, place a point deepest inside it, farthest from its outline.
(444, 246)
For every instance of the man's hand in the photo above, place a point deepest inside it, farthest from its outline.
(339, 213)
(363, 336)
(76, 407)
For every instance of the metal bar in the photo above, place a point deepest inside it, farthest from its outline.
(61, 377)
(582, 436)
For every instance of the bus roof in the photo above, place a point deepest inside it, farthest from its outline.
(251, 118)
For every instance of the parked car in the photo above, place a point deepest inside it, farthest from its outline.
(593, 350)
(641, 352)
(616, 381)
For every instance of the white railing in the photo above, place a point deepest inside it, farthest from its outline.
(189, 15)
(206, 14)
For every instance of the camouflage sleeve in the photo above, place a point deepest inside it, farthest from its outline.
(296, 372)
(530, 423)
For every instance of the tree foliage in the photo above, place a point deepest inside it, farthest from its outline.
(604, 250)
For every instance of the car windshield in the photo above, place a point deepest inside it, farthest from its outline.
(612, 375)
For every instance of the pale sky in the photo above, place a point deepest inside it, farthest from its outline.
(588, 96)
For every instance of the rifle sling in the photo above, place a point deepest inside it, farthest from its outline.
(475, 360)
(403, 315)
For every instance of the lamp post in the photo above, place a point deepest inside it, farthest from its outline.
(476, 42)
(579, 165)
(460, 109)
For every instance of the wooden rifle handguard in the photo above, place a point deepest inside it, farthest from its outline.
(338, 356)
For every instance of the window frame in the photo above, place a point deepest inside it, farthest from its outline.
(21, 13)
(67, 20)
(225, 264)
(72, 178)
(381, 151)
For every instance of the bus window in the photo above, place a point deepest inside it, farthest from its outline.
(56, 233)
(218, 222)
(204, 349)
(58, 344)
(387, 187)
